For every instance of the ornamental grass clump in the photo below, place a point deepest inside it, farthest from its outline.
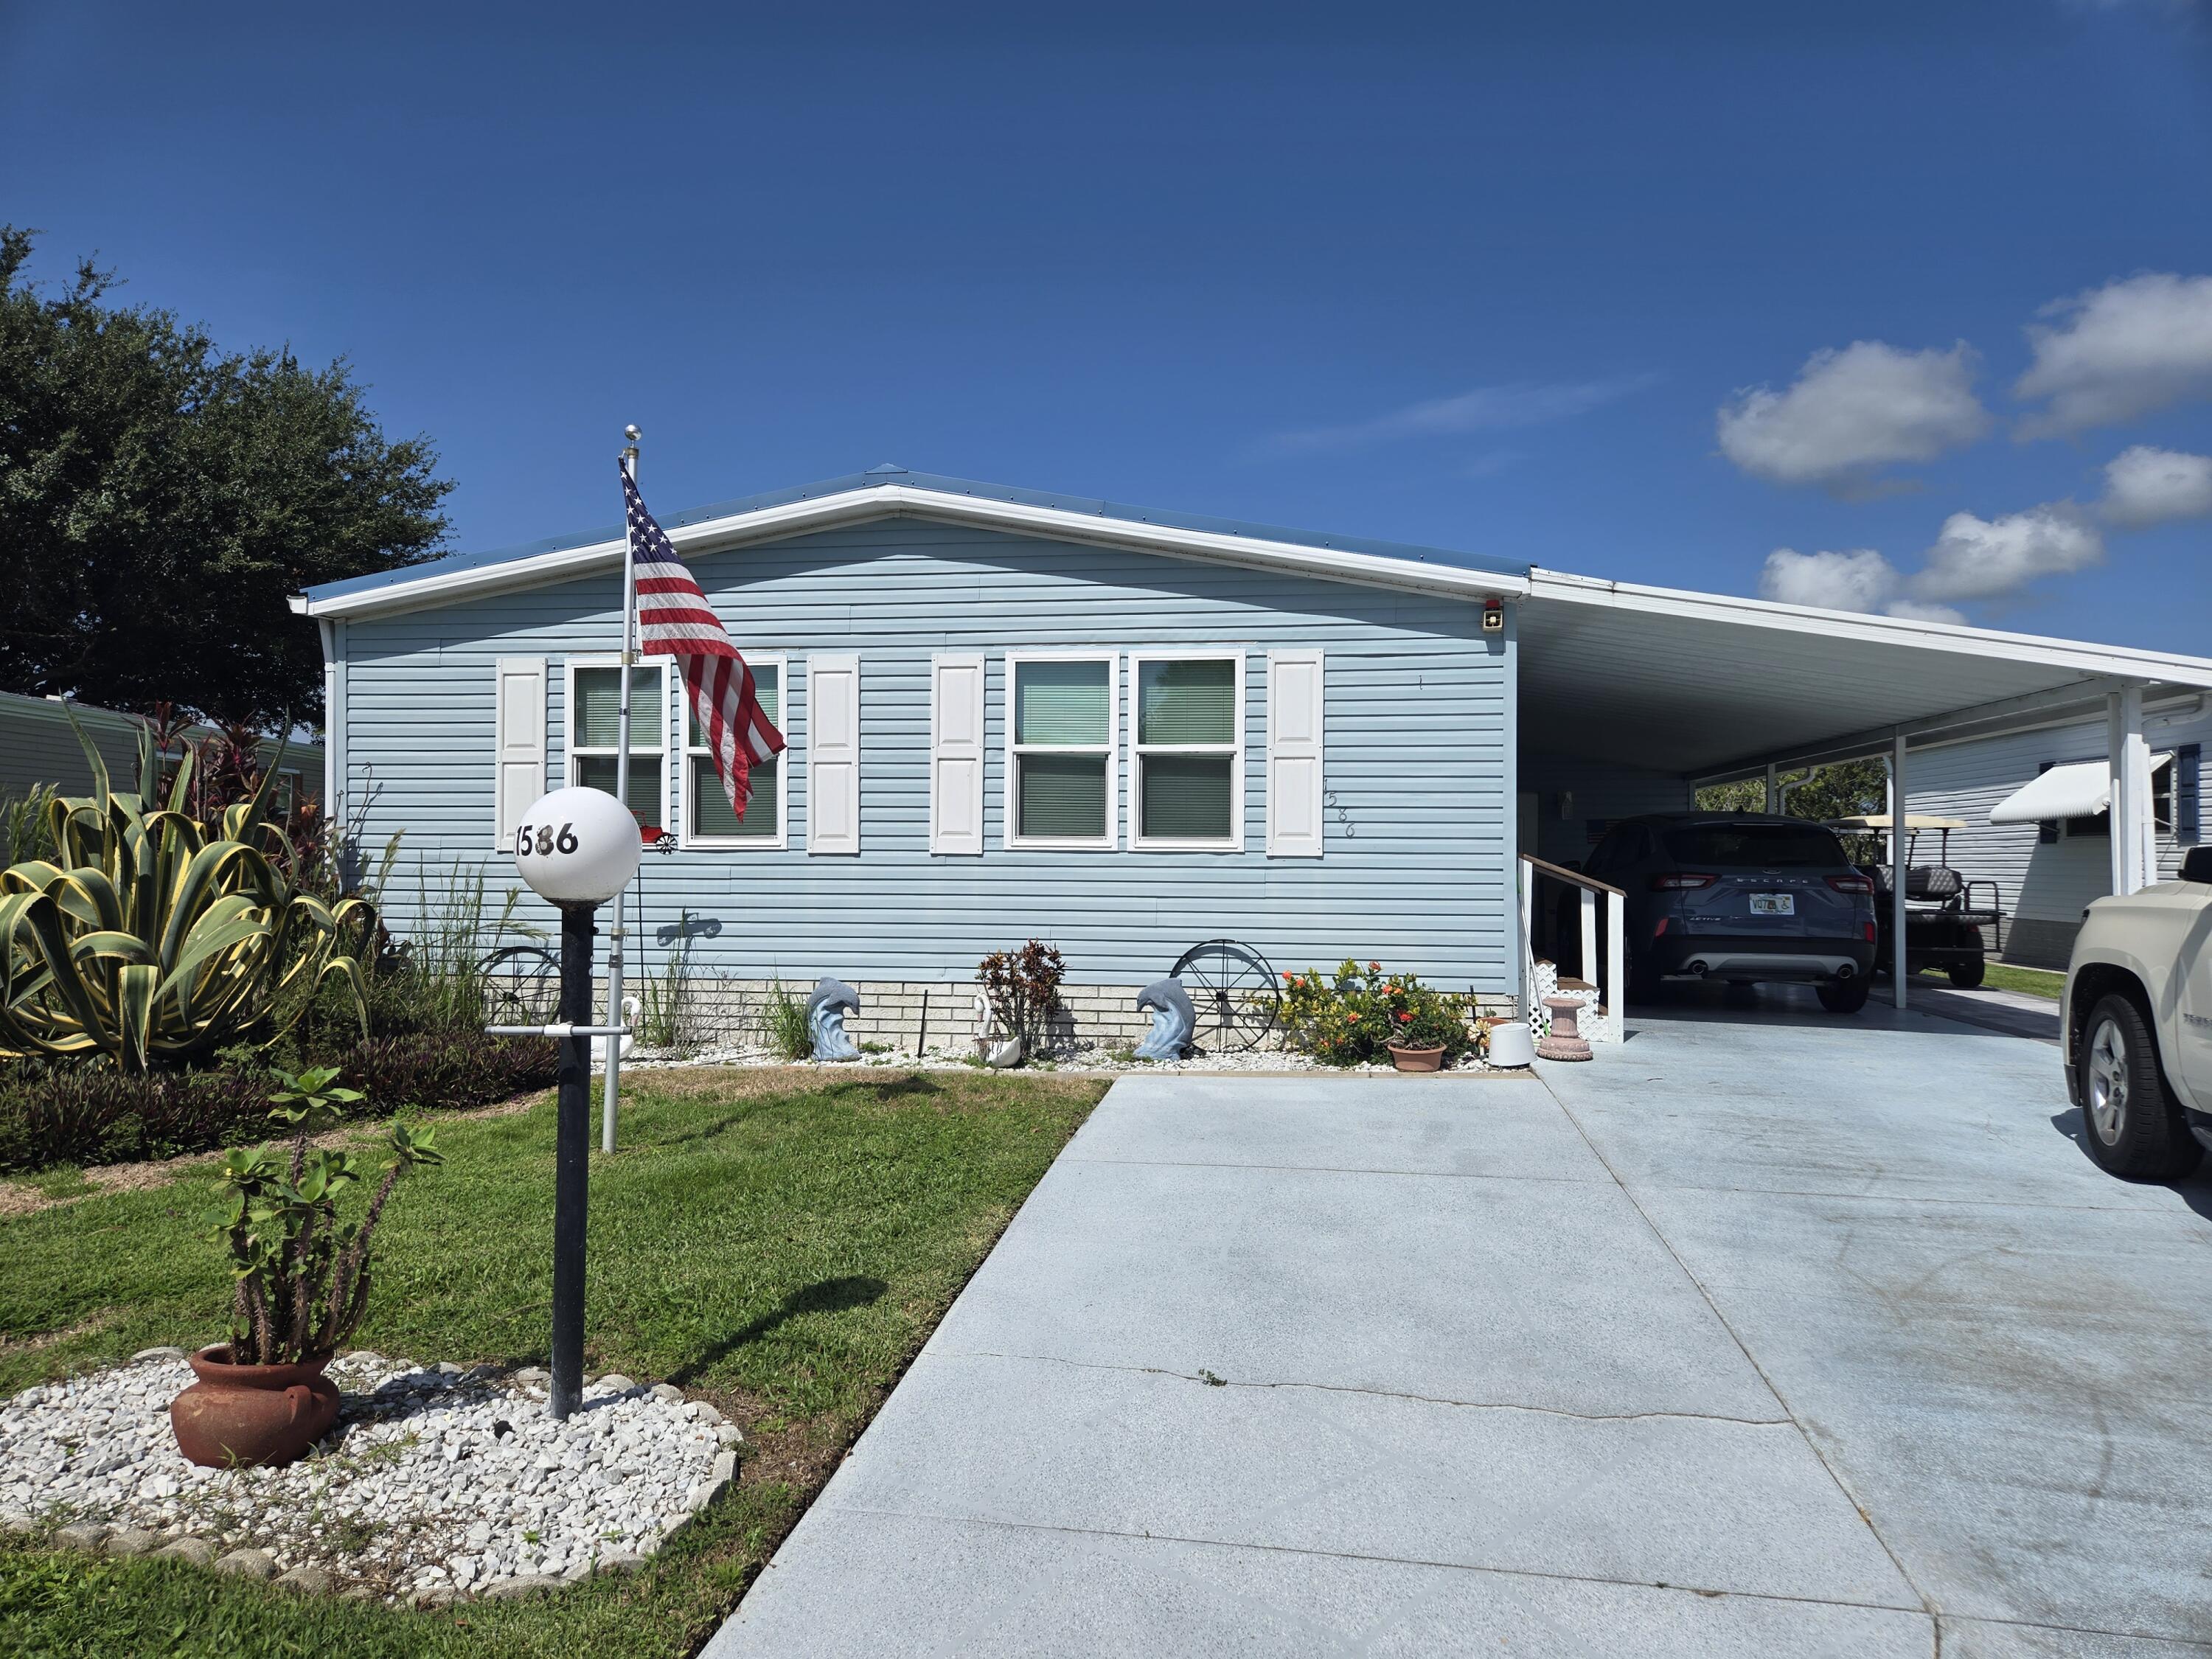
(302, 1275)
(1354, 1018)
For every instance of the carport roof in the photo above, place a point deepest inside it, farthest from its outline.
(1704, 685)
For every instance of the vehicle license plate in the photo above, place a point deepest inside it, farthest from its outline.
(1774, 904)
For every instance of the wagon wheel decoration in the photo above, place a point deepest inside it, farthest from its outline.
(521, 986)
(1233, 993)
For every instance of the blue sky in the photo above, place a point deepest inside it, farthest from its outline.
(1510, 279)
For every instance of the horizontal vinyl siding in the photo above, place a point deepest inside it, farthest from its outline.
(1413, 868)
(2039, 881)
(38, 745)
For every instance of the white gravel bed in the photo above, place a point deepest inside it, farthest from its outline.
(1066, 1060)
(436, 1483)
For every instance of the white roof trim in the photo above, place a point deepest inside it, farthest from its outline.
(2117, 661)
(904, 501)
(2080, 790)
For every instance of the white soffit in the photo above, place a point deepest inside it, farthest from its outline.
(1686, 683)
(2080, 790)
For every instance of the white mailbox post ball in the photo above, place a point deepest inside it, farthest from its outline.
(577, 845)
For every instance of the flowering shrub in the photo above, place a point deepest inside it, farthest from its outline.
(1354, 1016)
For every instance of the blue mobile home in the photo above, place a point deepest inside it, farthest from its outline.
(1010, 715)
(1013, 715)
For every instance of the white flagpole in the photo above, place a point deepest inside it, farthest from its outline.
(611, 1095)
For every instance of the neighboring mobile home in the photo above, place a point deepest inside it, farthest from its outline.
(1014, 715)
(2037, 805)
(39, 746)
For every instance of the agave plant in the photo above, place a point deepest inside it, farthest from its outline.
(147, 936)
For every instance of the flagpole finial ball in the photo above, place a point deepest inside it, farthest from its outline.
(577, 845)
(632, 433)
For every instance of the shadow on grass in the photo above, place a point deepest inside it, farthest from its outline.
(824, 1295)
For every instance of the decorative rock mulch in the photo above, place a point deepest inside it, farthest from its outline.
(437, 1484)
(1086, 1059)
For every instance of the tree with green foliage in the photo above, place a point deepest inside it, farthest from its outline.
(1849, 789)
(160, 499)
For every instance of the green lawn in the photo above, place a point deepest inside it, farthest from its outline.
(2036, 982)
(777, 1242)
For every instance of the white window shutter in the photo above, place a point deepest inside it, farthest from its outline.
(833, 754)
(518, 728)
(1294, 754)
(955, 754)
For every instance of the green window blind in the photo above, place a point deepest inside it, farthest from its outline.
(1062, 796)
(768, 685)
(1062, 704)
(1187, 797)
(710, 805)
(1186, 702)
(599, 708)
(598, 772)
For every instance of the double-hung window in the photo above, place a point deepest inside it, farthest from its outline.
(595, 724)
(1188, 725)
(1061, 782)
(707, 819)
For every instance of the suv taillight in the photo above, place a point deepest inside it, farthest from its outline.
(1852, 883)
(1680, 878)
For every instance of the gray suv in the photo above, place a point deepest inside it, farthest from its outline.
(1744, 897)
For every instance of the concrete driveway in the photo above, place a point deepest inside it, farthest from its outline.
(1766, 1333)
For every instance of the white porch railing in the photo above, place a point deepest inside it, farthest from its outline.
(1612, 982)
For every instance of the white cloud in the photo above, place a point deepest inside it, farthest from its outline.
(1988, 558)
(1485, 409)
(2119, 351)
(1851, 411)
(1857, 581)
(2144, 486)
(1916, 610)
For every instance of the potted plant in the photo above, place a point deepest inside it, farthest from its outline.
(1425, 1032)
(301, 1284)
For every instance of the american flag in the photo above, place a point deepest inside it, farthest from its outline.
(674, 620)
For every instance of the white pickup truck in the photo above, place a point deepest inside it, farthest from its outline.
(2138, 1025)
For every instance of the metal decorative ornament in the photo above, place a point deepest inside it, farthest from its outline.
(1235, 992)
(1172, 1019)
(825, 1019)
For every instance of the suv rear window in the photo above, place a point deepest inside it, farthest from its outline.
(1754, 847)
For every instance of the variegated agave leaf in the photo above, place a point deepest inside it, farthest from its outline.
(145, 940)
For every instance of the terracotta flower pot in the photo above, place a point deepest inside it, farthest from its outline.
(261, 1415)
(1416, 1060)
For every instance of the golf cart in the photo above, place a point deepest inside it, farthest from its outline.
(1944, 913)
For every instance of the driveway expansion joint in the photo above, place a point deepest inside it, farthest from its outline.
(1703, 1592)
(1209, 1379)
(1597, 1180)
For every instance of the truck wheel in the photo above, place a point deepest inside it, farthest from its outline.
(2129, 1123)
(1970, 973)
(1845, 996)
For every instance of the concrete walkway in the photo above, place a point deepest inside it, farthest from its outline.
(1767, 1334)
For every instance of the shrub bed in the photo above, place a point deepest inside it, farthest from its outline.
(54, 1113)
(1352, 1018)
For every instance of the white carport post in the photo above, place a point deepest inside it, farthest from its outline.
(2128, 756)
(1897, 856)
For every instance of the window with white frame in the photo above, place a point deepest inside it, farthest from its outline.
(1061, 740)
(1188, 728)
(707, 819)
(594, 723)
